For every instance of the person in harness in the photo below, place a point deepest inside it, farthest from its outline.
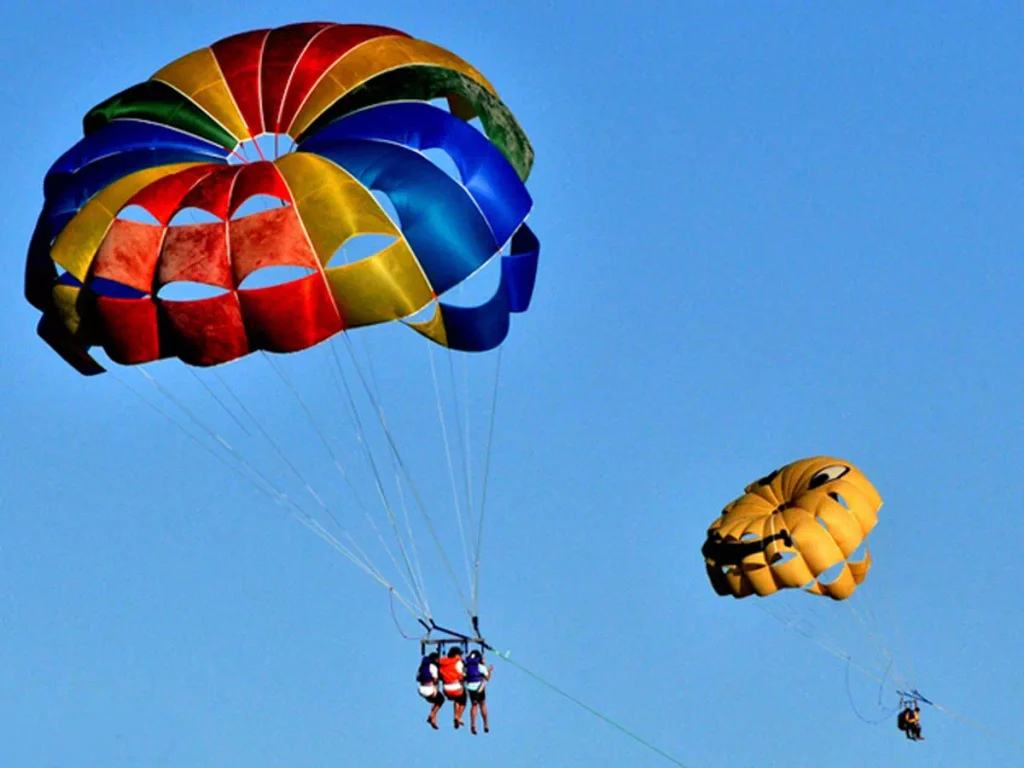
(909, 721)
(453, 674)
(914, 724)
(428, 678)
(477, 675)
(901, 720)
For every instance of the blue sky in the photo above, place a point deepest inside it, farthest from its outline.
(768, 231)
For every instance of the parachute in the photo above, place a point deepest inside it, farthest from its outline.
(356, 102)
(289, 144)
(790, 528)
(805, 526)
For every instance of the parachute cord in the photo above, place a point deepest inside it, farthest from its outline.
(874, 632)
(469, 433)
(356, 425)
(418, 588)
(853, 706)
(397, 457)
(451, 466)
(899, 638)
(408, 479)
(372, 463)
(394, 618)
(973, 724)
(191, 436)
(831, 644)
(416, 560)
(220, 402)
(882, 684)
(394, 468)
(463, 428)
(305, 408)
(274, 492)
(277, 449)
(483, 496)
(291, 465)
(259, 150)
(873, 627)
(326, 535)
(463, 433)
(878, 641)
(838, 653)
(234, 397)
(270, 440)
(662, 753)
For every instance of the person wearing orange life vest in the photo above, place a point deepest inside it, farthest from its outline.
(477, 675)
(429, 680)
(453, 675)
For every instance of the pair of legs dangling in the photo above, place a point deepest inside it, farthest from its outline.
(478, 699)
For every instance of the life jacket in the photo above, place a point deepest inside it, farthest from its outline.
(475, 670)
(449, 669)
(424, 675)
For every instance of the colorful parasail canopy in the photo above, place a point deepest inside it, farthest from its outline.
(355, 102)
(793, 526)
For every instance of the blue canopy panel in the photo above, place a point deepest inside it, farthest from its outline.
(482, 328)
(96, 176)
(40, 271)
(519, 269)
(491, 180)
(122, 136)
(444, 227)
(118, 149)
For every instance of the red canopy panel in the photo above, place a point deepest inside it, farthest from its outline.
(261, 178)
(131, 330)
(319, 56)
(129, 254)
(269, 239)
(213, 192)
(204, 331)
(291, 316)
(163, 197)
(281, 53)
(196, 253)
(146, 256)
(239, 59)
(282, 318)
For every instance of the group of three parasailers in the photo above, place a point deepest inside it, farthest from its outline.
(449, 677)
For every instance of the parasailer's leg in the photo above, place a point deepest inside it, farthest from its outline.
(478, 698)
(460, 709)
(437, 702)
(458, 701)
